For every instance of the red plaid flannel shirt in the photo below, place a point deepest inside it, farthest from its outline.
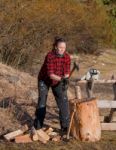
(56, 65)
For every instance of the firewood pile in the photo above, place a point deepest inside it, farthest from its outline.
(24, 135)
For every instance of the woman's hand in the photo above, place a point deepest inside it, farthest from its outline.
(66, 75)
(55, 77)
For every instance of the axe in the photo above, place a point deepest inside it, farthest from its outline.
(75, 67)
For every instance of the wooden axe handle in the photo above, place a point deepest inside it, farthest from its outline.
(72, 71)
(70, 124)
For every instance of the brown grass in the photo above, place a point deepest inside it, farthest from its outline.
(108, 142)
(27, 28)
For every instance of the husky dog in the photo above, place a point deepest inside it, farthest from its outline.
(92, 74)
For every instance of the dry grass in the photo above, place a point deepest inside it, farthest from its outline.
(108, 142)
(105, 62)
(27, 28)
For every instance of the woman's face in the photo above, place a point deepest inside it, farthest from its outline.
(61, 47)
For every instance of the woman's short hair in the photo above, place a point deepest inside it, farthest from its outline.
(58, 40)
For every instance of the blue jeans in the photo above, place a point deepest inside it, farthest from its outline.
(61, 99)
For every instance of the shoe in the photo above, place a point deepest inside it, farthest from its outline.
(64, 131)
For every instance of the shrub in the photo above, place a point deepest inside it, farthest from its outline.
(27, 28)
(113, 12)
(107, 2)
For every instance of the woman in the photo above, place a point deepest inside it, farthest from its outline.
(54, 73)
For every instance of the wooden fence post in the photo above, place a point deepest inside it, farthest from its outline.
(89, 88)
(113, 109)
(114, 88)
(78, 92)
(110, 118)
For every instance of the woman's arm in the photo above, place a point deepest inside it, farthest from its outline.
(55, 77)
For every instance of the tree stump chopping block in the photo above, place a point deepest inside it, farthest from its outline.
(86, 121)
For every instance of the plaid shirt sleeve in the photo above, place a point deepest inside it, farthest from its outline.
(50, 64)
(67, 65)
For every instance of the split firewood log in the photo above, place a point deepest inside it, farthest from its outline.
(23, 139)
(39, 135)
(12, 135)
(49, 130)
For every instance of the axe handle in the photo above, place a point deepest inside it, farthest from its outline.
(70, 124)
(72, 71)
(68, 133)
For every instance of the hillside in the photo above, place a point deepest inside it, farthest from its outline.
(28, 28)
(105, 63)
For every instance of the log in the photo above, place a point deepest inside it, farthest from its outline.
(40, 135)
(98, 81)
(49, 130)
(106, 104)
(86, 121)
(108, 126)
(12, 135)
(23, 139)
(43, 134)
